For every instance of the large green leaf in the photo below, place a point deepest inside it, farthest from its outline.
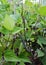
(39, 43)
(40, 53)
(10, 56)
(42, 10)
(9, 22)
(42, 40)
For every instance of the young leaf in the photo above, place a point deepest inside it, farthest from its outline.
(40, 53)
(9, 23)
(42, 10)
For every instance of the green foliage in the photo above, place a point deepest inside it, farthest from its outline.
(21, 63)
(22, 29)
(40, 53)
(42, 10)
(8, 23)
(10, 56)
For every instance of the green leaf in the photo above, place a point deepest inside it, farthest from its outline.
(17, 30)
(25, 60)
(41, 40)
(9, 23)
(28, 3)
(10, 63)
(17, 18)
(20, 48)
(0, 52)
(24, 57)
(42, 10)
(21, 63)
(39, 43)
(10, 56)
(4, 31)
(43, 59)
(40, 53)
(4, 1)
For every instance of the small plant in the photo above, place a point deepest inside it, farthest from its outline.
(22, 33)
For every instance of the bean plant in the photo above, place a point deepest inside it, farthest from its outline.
(22, 33)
